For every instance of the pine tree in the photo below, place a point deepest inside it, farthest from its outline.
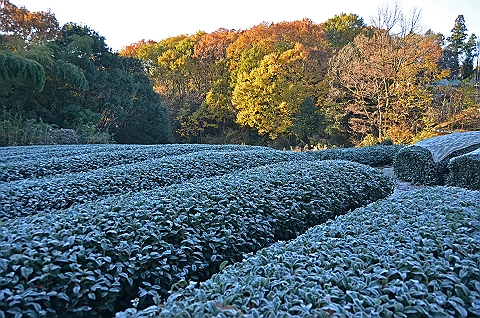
(456, 46)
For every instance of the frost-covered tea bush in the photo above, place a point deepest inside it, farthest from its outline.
(29, 196)
(374, 156)
(68, 159)
(416, 255)
(465, 171)
(94, 259)
(426, 162)
(416, 165)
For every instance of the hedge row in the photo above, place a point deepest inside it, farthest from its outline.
(465, 171)
(374, 156)
(415, 164)
(415, 255)
(19, 153)
(96, 258)
(36, 165)
(29, 196)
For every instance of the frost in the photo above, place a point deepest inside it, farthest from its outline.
(442, 146)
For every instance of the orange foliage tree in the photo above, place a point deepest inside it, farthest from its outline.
(18, 22)
(383, 80)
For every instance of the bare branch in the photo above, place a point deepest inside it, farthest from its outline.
(387, 18)
(413, 25)
(392, 20)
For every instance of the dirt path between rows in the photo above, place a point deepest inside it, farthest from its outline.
(400, 186)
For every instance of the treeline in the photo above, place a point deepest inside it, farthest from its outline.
(340, 82)
(65, 80)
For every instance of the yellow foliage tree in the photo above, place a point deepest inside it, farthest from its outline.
(270, 95)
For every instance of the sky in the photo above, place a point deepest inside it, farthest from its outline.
(125, 22)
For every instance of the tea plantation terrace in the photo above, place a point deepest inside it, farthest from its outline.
(108, 229)
(415, 255)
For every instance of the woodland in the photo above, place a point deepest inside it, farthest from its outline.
(338, 83)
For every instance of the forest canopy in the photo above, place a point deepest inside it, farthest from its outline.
(341, 82)
(337, 83)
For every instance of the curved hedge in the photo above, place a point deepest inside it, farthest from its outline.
(17, 163)
(29, 196)
(94, 259)
(415, 255)
(465, 171)
(84, 158)
(374, 156)
(415, 164)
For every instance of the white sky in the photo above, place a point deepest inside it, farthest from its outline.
(126, 22)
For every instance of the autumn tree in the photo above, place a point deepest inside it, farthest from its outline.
(382, 80)
(189, 72)
(18, 22)
(270, 95)
(203, 78)
(274, 69)
(133, 49)
(215, 114)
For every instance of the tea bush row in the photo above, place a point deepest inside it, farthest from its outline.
(19, 153)
(416, 165)
(35, 165)
(415, 255)
(374, 156)
(96, 258)
(29, 196)
(465, 171)
(17, 163)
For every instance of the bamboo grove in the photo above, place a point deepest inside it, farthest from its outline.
(340, 82)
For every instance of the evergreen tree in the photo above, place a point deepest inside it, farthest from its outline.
(470, 53)
(456, 45)
(308, 123)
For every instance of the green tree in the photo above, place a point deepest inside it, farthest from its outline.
(343, 28)
(471, 52)
(308, 124)
(17, 69)
(456, 45)
(119, 90)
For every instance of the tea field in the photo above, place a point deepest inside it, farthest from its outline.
(229, 231)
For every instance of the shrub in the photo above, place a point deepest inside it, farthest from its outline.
(465, 171)
(374, 156)
(416, 165)
(29, 196)
(415, 255)
(426, 162)
(88, 134)
(19, 163)
(94, 259)
(16, 130)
